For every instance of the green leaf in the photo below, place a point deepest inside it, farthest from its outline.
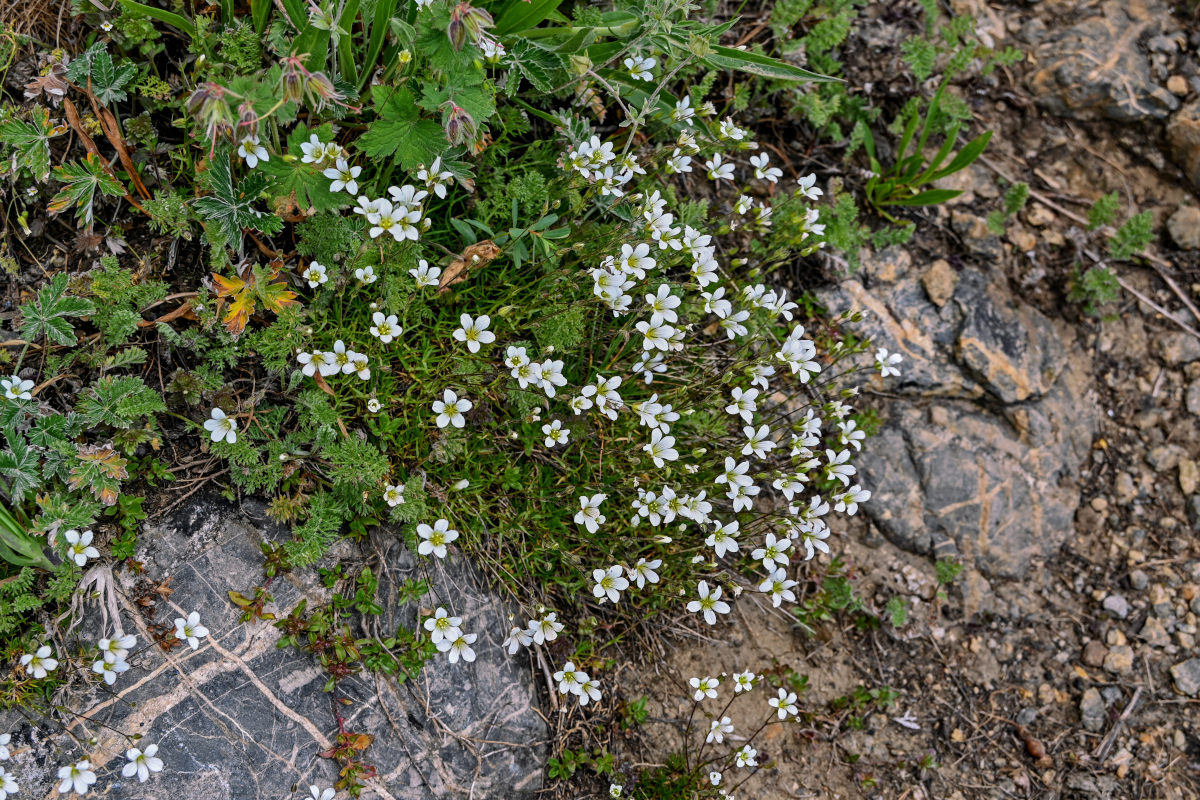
(18, 547)
(31, 141)
(928, 198)
(231, 208)
(971, 151)
(81, 180)
(292, 175)
(119, 402)
(519, 15)
(176, 21)
(108, 79)
(47, 315)
(400, 132)
(19, 466)
(539, 66)
(765, 66)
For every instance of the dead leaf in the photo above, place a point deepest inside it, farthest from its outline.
(477, 255)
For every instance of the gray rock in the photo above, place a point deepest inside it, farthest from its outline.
(1184, 227)
(1186, 675)
(1165, 457)
(1178, 347)
(1183, 141)
(978, 454)
(1116, 605)
(242, 719)
(1139, 580)
(1192, 399)
(1154, 632)
(1097, 68)
(1091, 711)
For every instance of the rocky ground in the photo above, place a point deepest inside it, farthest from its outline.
(1052, 453)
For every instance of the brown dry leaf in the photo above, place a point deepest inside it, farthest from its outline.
(288, 209)
(477, 255)
(51, 84)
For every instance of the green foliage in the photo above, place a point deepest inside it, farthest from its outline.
(897, 611)
(230, 207)
(947, 570)
(120, 300)
(106, 79)
(1015, 198)
(80, 181)
(1132, 237)
(1094, 288)
(47, 315)
(30, 141)
(1103, 211)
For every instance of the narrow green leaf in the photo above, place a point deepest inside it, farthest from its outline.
(756, 64)
(928, 198)
(520, 15)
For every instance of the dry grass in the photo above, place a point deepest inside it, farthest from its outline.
(47, 22)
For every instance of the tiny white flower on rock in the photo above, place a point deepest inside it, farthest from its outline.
(8, 784)
(77, 777)
(39, 664)
(317, 793)
(704, 687)
(442, 626)
(886, 362)
(460, 647)
(435, 538)
(190, 629)
(79, 547)
(142, 763)
(109, 670)
(709, 603)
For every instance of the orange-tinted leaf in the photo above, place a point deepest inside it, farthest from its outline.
(239, 312)
(227, 287)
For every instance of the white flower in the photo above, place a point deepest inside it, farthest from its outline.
(252, 151)
(142, 762)
(683, 111)
(710, 603)
(424, 274)
(79, 547)
(570, 680)
(678, 162)
(714, 778)
(360, 365)
(615, 789)
(661, 448)
(886, 362)
(814, 539)
(221, 427)
(724, 539)
(718, 729)
(545, 629)
(555, 433)
(743, 681)
(318, 361)
(115, 648)
(643, 572)
(435, 538)
(450, 409)
(774, 552)
(313, 150)
(657, 333)
(517, 638)
(728, 130)
(343, 176)
(763, 172)
(719, 169)
(435, 177)
(386, 327)
(758, 442)
(316, 793)
(474, 331)
(109, 670)
(705, 687)
(373, 405)
(366, 275)
(744, 403)
(784, 703)
(837, 466)
(808, 187)
(315, 274)
(609, 583)
(458, 648)
(16, 389)
(394, 494)
(190, 629)
(589, 514)
(779, 587)
(639, 68)
(39, 663)
(848, 500)
(77, 777)
(746, 757)
(8, 784)
(4, 740)
(442, 626)
(493, 51)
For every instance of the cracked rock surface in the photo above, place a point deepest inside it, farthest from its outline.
(242, 719)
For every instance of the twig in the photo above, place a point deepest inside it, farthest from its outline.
(1156, 307)
(1102, 751)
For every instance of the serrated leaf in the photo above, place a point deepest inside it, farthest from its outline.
(540, 67)
(81, 180)
(19, 466)
(243, 291)
(108, 78)
(400, 132)
(100, 469)
(120, 402)
(230, 207)
(47, 315)
(31, 141)
(294, 177)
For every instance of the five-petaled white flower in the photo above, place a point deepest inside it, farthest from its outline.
(643, 572)
(450, 409)
(710, 603)
(589, 515)
(79, 546)
(886, 362)
(746, 757)
(475, 331)
(718, 729)
(5, 738)
(639, 67)
(424, 274)
(251, 151)
(315, 274)
(555, 433)
(109, 670)
(784, 703)
(435, 538)
(16, 389)
(366, 275)
(719, 169)
(704, 687)
(458, 648)
(39, 664)
(609, 583)
(743, 681)
(142, 762)
(117, 647)
(393, 494)
(385, 327)
(77, 777)
(442, 626)
(221, 427)
(343, 176)
(762, 171)
(190, 629)
(316, 793)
